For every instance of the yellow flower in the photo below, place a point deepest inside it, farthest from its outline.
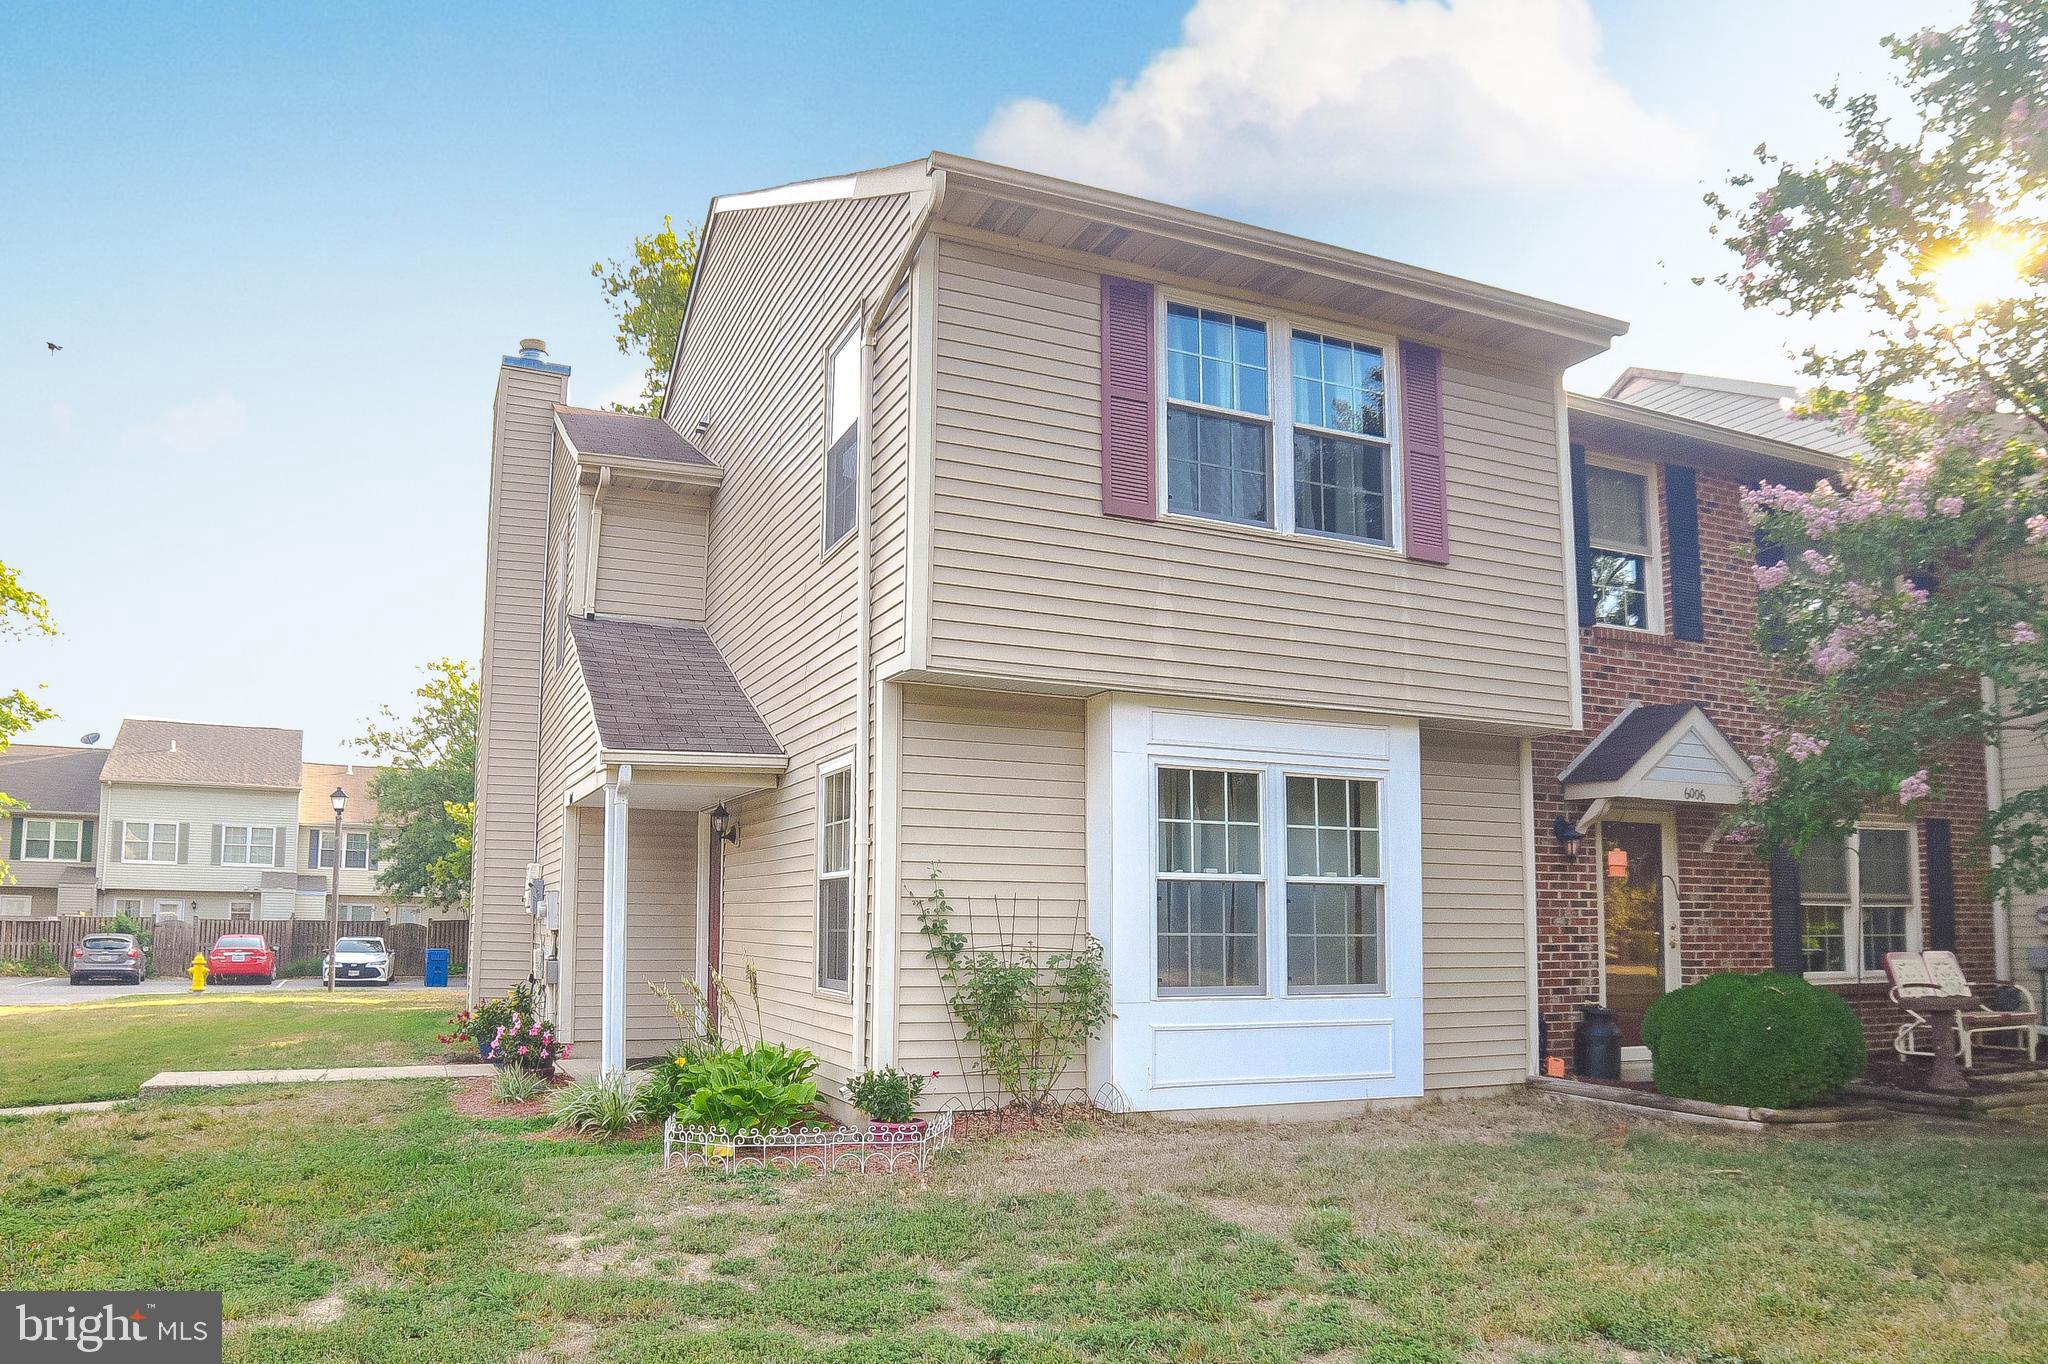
(722, 1152)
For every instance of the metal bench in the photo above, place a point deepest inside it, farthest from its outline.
(1938, 975)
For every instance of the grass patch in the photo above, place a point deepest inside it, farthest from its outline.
(72, 1052)
(371, 1222)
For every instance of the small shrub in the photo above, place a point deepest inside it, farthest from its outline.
(517, 1085)
(761, 1088)
(666, 1089)
(305, 968)
(41, 961)
(886, 1095)
(1760, 1041)
(602, 1107)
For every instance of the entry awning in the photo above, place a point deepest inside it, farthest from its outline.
(1659, 753)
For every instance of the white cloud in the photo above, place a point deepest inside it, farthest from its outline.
(195, 426)
(1321, 101)
(62, 420)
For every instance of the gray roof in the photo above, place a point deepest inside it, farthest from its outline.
(664, 689)
(61, 780)
(174, 753)
(1750, 408)
(627, 436)
(1610, 756)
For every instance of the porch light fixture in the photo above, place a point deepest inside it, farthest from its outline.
(1569, 836)
(724, 826)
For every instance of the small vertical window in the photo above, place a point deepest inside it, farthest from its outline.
(1211, 884)
(842, 441)
(1217, 406)
(1618, 525)
(835, 880)
(356, 854)
(1336, 902)
(1340, 438)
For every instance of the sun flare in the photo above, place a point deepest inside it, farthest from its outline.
(1987, 271)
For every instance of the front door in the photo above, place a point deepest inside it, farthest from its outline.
(1634, 906)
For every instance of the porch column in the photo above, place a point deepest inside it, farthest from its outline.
(612, 1031)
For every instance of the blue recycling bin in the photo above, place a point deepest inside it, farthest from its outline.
(437, 966)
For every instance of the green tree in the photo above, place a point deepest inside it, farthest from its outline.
(1915, 575)
(647, 294)
(22, 613)
(426, 792)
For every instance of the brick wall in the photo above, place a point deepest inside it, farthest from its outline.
(1724, 891)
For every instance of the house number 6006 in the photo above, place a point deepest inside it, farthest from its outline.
(1695, 793)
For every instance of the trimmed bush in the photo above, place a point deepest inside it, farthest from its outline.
(1761, 1041)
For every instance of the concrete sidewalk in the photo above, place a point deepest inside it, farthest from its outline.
(165, 1082)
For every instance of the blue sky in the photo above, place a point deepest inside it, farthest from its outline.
(283, 247)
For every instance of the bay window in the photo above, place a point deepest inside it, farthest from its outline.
(1211, 889)
(1857, 899)
(1336, 899)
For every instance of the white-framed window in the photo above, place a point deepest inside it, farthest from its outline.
(835, 879)
(1211, 886)
(132, 908)
(1336, 886)
(359, 913)
(355, 852)
(170, 909)
(1343, 465)
(1219, 432)
(16, 907)
(247, 845)
(1621, 526)
(51, 840)
(142, 841)
(842, 439)
(1859, 898)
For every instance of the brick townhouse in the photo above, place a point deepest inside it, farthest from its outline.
(1650, 898)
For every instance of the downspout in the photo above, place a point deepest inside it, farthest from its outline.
(588, 578)
(714, 896)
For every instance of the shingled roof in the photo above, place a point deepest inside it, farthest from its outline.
(664, 689)
(627, 436)
(53, 778)
(316, 793)
(1610, 756)
(174, 753)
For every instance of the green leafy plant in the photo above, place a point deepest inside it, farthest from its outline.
(142, 931)
(761, 1088)
(302, 968)
(1030, 1014)
(666, 1088)
(1761, 1041)
(602, 1107)
(888, 1095)
(517, 1085)
(483, 1023)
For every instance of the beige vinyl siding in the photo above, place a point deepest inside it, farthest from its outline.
(201, 810)
(889, 484)
(568, 732)
(650, 555)
(994, 797)
(30, 902)
(358, 884)
(508, 731)
(661, 925)
(2023, 766)
(776, 288)
(1029, 581)
(1475, 1003)
(27, 875)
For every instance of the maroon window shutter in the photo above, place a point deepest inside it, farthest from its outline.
(1422, 453)
(1128, 459)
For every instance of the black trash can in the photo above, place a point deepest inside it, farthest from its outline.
(1596, 1045)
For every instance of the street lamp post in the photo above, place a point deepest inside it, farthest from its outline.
(340, 799)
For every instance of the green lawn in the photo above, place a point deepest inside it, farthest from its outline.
(104, 1051)
(370, 1222)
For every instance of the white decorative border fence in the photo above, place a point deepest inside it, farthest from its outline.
(820, 1150)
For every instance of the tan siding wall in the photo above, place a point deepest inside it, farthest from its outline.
(889, 568)
(777, 287)
(29, 875)
(508, 738)
(661, 925)
(1475, 1003)
(201, 810)
(1031, 581)
(994, 797)
(650, 555)
(2023, 766)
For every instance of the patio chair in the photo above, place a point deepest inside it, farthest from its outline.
(1940, 974)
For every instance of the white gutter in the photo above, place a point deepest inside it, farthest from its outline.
(588, 596)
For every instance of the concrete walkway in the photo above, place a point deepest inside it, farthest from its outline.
(164, 1082)
(89, 1106)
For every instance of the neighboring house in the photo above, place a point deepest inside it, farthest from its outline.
(362, 899)
(50, 843)
(2020, 763)
(1652, 898)
(1142, 573)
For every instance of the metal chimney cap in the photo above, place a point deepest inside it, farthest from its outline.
(533, 347)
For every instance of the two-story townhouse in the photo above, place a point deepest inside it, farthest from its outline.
(362, 899)
(199, 821)
(1132, 572)
(50, 839)
(1636, 891)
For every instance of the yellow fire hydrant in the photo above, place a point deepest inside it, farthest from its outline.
(198, 972)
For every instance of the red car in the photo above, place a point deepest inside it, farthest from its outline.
(241, 954)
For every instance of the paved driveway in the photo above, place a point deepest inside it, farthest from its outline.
(57, 990)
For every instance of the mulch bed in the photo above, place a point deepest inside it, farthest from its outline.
(1017, 1120)
(472, 1099)
(1892, 1073)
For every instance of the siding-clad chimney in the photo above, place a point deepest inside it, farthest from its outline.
(508, 733)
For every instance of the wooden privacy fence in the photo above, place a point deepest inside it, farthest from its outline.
(298, 941)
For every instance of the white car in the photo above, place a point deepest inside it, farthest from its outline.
(361, 959)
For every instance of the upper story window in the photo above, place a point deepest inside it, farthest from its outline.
(1218, 427)
(1340, 438)
(146, 842)
(355, 852)
(1858, 901)
(1622, 530)
(842, 440)
(247, 845)
(52, 840)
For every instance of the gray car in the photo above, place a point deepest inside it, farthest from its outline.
(359, 959)
(114, 956)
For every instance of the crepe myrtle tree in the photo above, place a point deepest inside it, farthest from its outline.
(22, 613)
(1888, 594)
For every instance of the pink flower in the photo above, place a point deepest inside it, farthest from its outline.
(1769, 576)
(1949, 506)
(1832, 657)
(1818, 563)
(1739, 836)
(2024, 633)
(1775, 224)
(2037, 529)
(522, 1049)
(1914, 787)
(1802, 746)
(1916, 594)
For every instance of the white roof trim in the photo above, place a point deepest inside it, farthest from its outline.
(1641, 781)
